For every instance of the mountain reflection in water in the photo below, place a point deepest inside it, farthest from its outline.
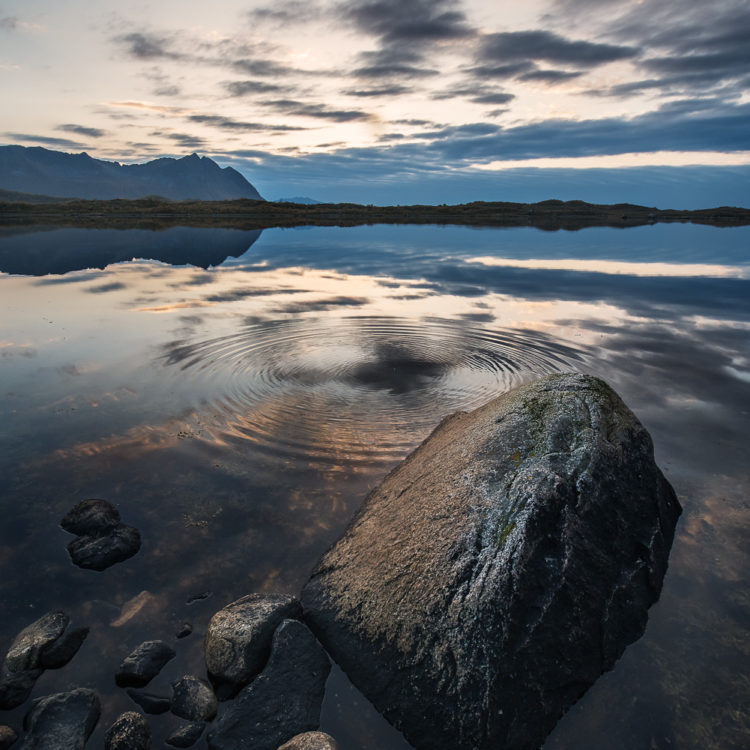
(238, 412)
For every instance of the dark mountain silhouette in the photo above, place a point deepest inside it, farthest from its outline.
(40, 170)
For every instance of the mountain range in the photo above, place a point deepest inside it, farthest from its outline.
(54, 173)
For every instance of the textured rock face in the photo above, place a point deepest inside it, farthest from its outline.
(130, 732)
(284, 700)
(193, 699)
(238, 639)
(311, 741)
(63, 721)
(501, 568)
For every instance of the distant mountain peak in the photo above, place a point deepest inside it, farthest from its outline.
(43, 171)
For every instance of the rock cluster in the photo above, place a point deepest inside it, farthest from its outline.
(501, 568)
(101, 538)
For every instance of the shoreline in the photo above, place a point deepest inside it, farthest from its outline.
(149, 213)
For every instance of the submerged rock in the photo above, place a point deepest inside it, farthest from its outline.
(311, 741)
(102, 539)
(283, 701)
(58, 653)
(186, 736)
(129, 732)
(63, 721)
(193, 699)
(501, 568)
(238, 639)
(149, 702)
(142, 664)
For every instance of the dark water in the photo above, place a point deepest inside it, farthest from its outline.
(237, 410)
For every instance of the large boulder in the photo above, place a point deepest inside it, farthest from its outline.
(130, 731)
(501, 568)
(63, 721)
(283, 701)
(311, 741)
(193, 699)
(238, 639)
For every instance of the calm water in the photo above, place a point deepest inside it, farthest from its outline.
(236, 394)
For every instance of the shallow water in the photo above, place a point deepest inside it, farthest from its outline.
(238, 413)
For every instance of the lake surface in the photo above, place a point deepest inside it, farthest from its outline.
(236, 394)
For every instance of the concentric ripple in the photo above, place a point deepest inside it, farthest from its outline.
(358, 389)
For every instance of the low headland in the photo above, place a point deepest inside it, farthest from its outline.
(157, 213)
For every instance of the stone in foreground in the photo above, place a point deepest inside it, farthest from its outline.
(311, 741)
(129, 732)
(501, 568)
(193, 699)
(63, 721)
(283, 701)
(238, 639)
(186, 736)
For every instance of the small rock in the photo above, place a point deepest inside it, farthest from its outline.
(238, 639)
(311, 741)
(101, 552)
(150, 703)
(198, 597)
(102, 540)
(283, 701)
(185, 630)
(91, 518)
(58, 653)
(7, 737)
(63, 721)
(186, 736)
(193, 699)
(143, 664)
(129, 732)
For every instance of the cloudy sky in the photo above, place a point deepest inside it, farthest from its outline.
(441, 99)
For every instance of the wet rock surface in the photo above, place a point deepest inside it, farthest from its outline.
(45, 644)
(311, 741)
(186, 736)
(283, 701)
(8, 736)
(501, 568)
(102, 539)
(193, 699)
(238, 639)
(129, 732)
(142, 664)
(63, 721)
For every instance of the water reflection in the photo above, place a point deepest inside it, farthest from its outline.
(238, 415)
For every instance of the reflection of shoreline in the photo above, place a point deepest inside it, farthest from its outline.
(40, 250)
(247, 214)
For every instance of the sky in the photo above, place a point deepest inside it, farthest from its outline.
(397, 101)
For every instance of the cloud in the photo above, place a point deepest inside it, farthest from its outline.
(407, 21)
(8, 23)
(227, 123)
(184, 140)
(515, 46)
(242, 88)
(286, 12)
(146, 45)
(44, 140)
(82, 130)
(550, 76)
(320, 111)
(394, 89)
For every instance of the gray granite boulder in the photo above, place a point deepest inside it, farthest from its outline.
(311, 741)
(63, 721)
(501, 568)
(238, 639)
(193, 699)
(186, 735)
(142, 664)
(283, 701)
(129, 732)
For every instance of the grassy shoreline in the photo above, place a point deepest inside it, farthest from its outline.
(249, 214)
